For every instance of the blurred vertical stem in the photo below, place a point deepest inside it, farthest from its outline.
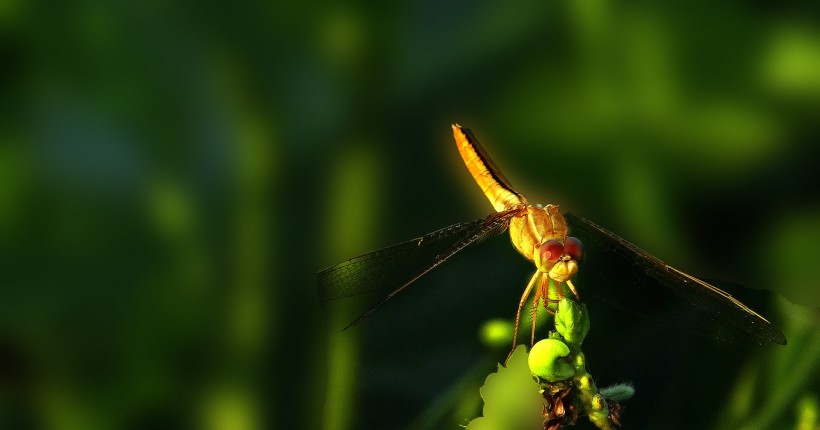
(786, 391)
(232, 402)
(458, 400)
(252, 225)
(247, 313)
(352, 221)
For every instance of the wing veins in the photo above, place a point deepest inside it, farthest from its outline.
(709, 300)
(494, 224)
(393, 268)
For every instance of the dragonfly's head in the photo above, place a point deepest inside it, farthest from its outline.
(560, 260)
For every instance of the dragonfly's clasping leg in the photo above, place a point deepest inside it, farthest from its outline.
(574, 291)
(542, 294)
(524, 296)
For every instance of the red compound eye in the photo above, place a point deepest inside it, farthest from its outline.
(551, 250)
(574, 248)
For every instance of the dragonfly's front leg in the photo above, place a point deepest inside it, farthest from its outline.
(524, 296)
(574, 291)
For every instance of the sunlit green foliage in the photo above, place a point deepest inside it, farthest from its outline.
(511, 397)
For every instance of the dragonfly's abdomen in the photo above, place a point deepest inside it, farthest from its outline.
(492, 183)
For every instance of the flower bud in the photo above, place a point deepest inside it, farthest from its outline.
(546, 360)
(572, 321)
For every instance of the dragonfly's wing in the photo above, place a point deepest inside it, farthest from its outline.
(646, 286)
(392, 269)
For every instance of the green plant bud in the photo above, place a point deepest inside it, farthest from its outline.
(546, 361)
(618, 392)
(572, 321)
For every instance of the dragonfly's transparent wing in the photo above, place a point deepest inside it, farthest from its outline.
(390, 270)
(640, 283)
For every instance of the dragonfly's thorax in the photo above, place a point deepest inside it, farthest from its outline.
(537, 226)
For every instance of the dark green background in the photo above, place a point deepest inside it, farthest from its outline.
(173, 174)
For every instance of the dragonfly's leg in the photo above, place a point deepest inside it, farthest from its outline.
(535, 302)
(559, 291)
(524, 296)
(574, 291)
(542, 294)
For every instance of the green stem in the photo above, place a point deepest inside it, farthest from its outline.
(789, 387)
(432, 417)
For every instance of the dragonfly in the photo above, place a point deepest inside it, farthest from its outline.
(636, 281)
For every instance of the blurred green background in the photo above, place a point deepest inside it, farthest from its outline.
(173, 175)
